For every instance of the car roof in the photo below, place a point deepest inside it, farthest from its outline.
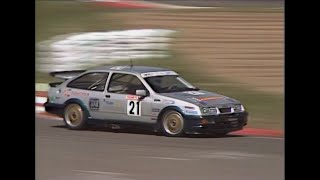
(134, 69)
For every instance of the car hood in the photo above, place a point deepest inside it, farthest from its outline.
(202, 98)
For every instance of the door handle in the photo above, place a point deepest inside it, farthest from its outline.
(108, 96)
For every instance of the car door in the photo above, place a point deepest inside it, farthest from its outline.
(121, 102)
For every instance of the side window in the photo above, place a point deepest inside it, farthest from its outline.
(125, 84)
(92, 81)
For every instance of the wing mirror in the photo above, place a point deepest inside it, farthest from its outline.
(142, 93)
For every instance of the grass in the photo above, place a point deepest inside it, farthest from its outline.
(57, 18)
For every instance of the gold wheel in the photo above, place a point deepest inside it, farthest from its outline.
(173, 123)
(73, 115)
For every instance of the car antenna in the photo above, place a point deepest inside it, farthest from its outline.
(130, 62)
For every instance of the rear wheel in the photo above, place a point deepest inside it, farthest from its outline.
(172, 124)
(74, 117)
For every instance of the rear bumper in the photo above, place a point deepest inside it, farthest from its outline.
(221, 124)
(53, 108)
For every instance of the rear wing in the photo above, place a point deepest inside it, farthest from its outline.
(64, 75)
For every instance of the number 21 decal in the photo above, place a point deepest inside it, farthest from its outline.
(133, 108)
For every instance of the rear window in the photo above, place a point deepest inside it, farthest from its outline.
(95, 81)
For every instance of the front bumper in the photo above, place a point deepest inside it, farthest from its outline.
(54, 108)
(222, 124)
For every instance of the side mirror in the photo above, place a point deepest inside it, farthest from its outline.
(142, 93)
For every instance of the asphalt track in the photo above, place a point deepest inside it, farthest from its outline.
(99, 154)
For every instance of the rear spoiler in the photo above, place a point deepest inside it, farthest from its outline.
(66, 74)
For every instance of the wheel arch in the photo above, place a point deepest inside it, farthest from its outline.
(79, 102)
(175, 108)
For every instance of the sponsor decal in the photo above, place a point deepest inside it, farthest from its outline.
(189, 107)
(69, 92)
(196, 93)
(199, 101)
(155, 110)
(168, 102)
(203, 103)
(195, 99)
(94, 104)
(109, 102)
(117, 104)
(159, 73)
(210, 98)
(53, 98)
(132, 97)
(79, 93)
(190, 112)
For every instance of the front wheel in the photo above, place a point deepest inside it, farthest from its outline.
(74, 117)
(172, 124)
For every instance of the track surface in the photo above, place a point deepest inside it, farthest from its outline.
(100, 154)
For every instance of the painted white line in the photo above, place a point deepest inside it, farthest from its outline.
(220, 156)
(237, 155)
(228, 155)
(99, 172)
(51, 118)
(167, 158)
(41, 100)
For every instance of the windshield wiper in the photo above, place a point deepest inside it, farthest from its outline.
(184, 89)
(191, 89)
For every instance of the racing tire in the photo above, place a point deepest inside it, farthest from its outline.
(172, 124)
(75, 117)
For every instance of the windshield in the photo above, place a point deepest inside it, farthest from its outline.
(169, 83)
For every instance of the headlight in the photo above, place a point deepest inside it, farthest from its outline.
(238, 108)
(211, 110)
(205, 110)
(242, 108)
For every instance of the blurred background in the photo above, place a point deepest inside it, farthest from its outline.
(232, 47)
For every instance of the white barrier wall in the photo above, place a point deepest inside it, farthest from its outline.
(81, 51)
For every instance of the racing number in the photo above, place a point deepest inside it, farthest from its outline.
(133, 108)
(94, 104)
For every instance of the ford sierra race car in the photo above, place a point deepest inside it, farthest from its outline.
(157, 98)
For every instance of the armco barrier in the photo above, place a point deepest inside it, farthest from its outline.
(88, 49)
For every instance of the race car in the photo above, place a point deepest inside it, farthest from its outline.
(141, 96)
